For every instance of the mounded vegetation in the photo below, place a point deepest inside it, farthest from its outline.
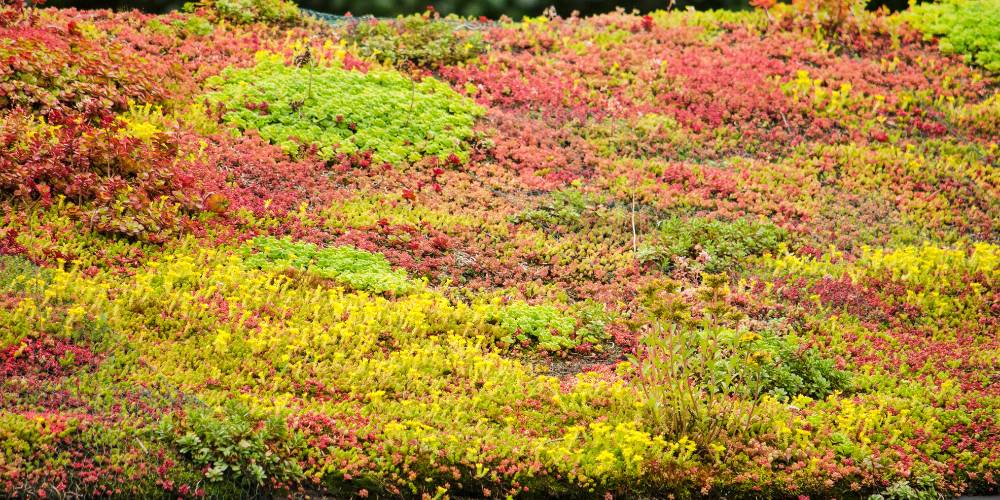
(746, 254)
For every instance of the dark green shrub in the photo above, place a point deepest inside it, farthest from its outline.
(787, 370)
(753, 365)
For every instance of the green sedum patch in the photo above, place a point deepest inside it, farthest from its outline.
(968, 27)
(565, 207)
(344, 111)
(521, 322)
(356, 268)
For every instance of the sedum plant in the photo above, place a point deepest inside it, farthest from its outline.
(147, 349)
(522, 322)
(356, 268)
(422, 40)
(724, 245)
(234, 444)
(277, 12)
(967, 27)
(343, 111)
(566, 207)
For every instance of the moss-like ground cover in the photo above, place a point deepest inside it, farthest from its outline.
(745, 254)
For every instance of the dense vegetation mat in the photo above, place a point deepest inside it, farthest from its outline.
(244, 252)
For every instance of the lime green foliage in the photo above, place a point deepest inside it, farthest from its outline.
(194, 26)
(345, 111)
(968, 27)
(359, 269)
(279, 12)
(727, 243)
(234, 444)
(368, 210)
(932, 267)
(418, 39)
(523, 322)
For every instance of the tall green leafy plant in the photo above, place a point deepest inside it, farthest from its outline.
(691, 385)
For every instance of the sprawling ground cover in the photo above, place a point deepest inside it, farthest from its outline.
(754, 254)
